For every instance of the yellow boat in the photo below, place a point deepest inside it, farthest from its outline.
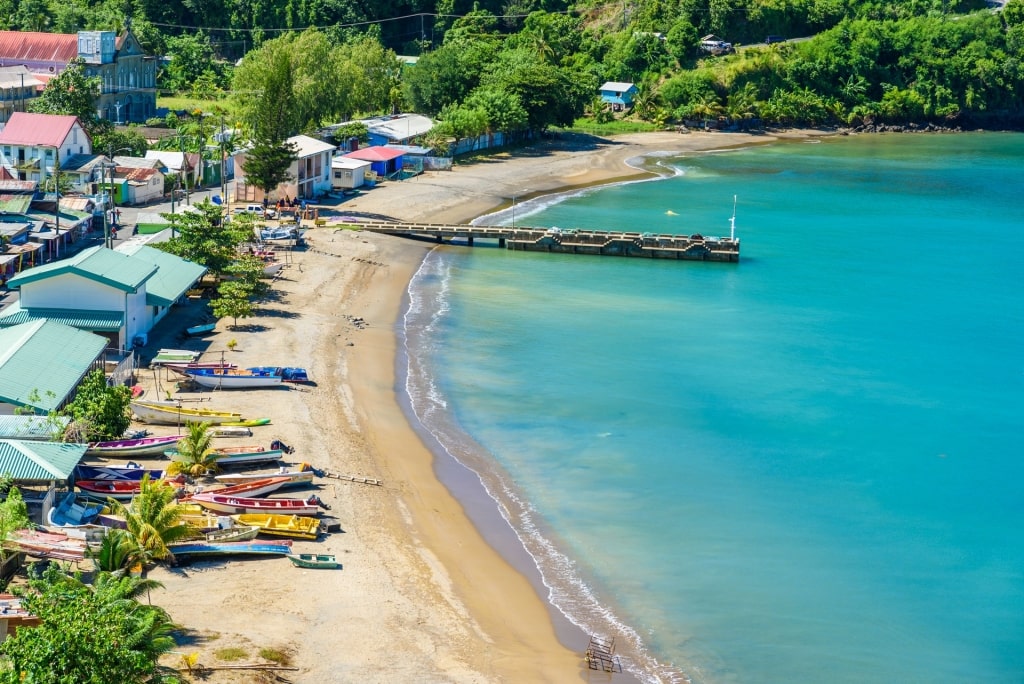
(280, 525)
(173, 414)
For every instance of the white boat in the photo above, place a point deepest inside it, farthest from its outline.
(163, 414)
(272, 269)
(295, 477)
(230, 431)
(233, 379)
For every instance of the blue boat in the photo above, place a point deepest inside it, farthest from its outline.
(128, 471)
(201, 329)
(70, 513)
(243, 548)
(287, 374)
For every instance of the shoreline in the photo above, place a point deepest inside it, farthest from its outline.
(424, 593)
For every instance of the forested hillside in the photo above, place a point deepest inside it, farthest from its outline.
(525, 65)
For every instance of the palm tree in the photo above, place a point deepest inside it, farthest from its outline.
(196, 455)
(153, 520)
(117, 553)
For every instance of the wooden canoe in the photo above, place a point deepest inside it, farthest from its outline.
(232, 505)
(165, 414)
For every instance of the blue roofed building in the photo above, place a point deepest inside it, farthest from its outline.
(619, 95)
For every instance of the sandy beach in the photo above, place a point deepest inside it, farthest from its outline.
(422, 596)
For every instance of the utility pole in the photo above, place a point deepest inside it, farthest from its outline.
(185, 168)
(223, 169)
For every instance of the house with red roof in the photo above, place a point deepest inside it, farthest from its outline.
(384, 161)
(127, 74)
(31, 145)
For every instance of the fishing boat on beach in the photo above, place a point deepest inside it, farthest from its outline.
(314, 561)
(127, 448)
(252, 488)
(296, 478)
(233, 458)
(116, 489)
(233, 505)
(166, 414)
(183, 368)
(115, 471)
(197, 330)
(233, 378)
(237, 548)
(230, 431)
(70, 513)
(281, 525)
(232, 534)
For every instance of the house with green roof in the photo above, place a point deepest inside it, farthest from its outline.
(39, 463)
(42, 362)
(111, 293)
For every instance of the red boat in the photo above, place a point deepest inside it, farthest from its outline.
(117, 489)
(233, 505)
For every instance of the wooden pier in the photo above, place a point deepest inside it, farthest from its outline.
(563, 241)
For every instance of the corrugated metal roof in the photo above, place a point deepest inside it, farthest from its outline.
(617, 86)
(15, 204)
(17, 77)
(29, 46)
(375, 154)
(35, 428)
(174, 275)
(307, 146)
(100, 321)
(25, 128)
(96, 263)
(39, 461)
(42, 362)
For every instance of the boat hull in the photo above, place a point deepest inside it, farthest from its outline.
(278, 525)
(174, 415)
(132, 447)
(281, 548)
(314, 561)
(233, 380)
(237, 459)
(233, 505)
(296, 478)
(115, 472)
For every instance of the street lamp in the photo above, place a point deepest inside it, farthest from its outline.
(112, 165)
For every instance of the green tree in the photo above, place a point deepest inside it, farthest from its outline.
(233, 302)
(87, 636)
(112, 140)
(203, 238)
(196, 455)
(117, 552)
(267, 161)
(99, 411)
(72, 93)
(13, 514)
(153, 520)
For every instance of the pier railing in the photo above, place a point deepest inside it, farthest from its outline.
(557, 241)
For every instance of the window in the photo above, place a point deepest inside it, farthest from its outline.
(7, 150)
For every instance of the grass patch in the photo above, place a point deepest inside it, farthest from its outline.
(231, 654)
(275, 656)
(178, 103)
(616, 127)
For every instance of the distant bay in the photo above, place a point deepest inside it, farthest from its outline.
(805, 467)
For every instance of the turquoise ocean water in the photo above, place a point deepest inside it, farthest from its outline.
(806, 467)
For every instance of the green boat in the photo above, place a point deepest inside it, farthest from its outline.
(313, 561)
(255, 422)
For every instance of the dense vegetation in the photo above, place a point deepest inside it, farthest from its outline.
(521, 66)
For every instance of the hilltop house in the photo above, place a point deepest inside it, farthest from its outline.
(119, 294)
(619, 95)
(127, 75)
(31, 145)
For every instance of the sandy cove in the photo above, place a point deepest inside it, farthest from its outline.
(422, 596)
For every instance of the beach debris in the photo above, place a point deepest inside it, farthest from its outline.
(601, 655)
(352, 478)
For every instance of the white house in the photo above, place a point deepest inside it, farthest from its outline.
(348, 173)
(310, 173)
(180, 163)
(117, 295)
(32, 144)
